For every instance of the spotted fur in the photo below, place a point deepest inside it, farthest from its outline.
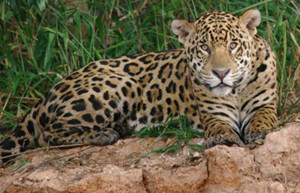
(224, 80)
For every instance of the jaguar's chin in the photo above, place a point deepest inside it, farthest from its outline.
(221, 90)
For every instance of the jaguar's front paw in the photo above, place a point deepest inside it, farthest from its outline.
(263, 122)
(255, 136)
(223, 139)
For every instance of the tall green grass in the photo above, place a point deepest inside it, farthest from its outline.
(42, 41)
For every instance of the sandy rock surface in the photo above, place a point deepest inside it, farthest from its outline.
(272, 167)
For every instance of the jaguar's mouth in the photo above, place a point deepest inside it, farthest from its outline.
(221, 85)
(221, 89)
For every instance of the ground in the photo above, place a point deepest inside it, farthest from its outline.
(272, 167)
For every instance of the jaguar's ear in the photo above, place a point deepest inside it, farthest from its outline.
(250, 20)
(182, 29)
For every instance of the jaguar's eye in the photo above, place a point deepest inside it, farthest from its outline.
(233, 45)
(204, 47)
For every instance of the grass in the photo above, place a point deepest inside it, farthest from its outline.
(43, 41)
(178, 130)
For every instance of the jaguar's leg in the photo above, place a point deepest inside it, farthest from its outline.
(82, 135)
(219, 132)
(264, 120)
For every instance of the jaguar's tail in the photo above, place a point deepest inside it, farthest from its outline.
(23, 137)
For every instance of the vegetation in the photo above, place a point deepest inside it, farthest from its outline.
(178, 130)
(42, 41)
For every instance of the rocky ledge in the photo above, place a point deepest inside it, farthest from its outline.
(272, 167)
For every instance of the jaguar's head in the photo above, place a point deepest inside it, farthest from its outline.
(218, 47)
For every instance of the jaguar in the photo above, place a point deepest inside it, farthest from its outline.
(223, 80)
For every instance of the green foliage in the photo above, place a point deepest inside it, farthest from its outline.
(42, 41)
(176, 129)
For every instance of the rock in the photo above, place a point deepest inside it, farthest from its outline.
(263, 187)
(181, 179)
(111, 179)
(279, 158)
(273, 167)
(226, 167)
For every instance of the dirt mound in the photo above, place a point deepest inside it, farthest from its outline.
(273, 167)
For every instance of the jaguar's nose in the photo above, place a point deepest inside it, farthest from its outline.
(221, 73)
